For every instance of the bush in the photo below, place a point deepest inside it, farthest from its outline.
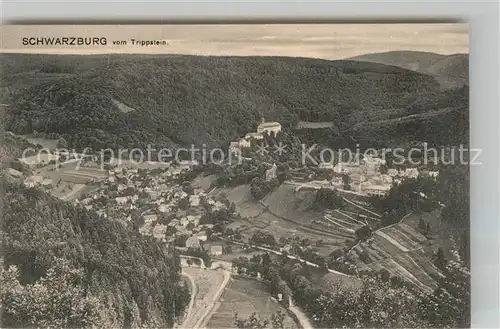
(329, 199)
(363, 233)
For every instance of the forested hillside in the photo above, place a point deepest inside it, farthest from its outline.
(178, 100)
(68, 267)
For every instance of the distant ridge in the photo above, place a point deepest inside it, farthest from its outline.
(452, 71)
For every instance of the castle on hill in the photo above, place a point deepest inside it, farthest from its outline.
(271, 128)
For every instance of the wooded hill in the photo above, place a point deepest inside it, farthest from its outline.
(135, 100)
(452, 71)
(64, 266)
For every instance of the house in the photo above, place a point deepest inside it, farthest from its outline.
(159, 231)
(249, 136)
(202, 236)
(33, 180)
(121, 199)
(195, 200)
(47, 182)
(372, 164)
(234, 147)
(163, 208)
(392, 172)
(194, 219)
(153, 195)
(193, 242)
(411, 173)
(216, 250)
(271, 173)
(184, 221)
(433, 174)
(269, 127)
(376, 190)
(150, 218)
(244, 143)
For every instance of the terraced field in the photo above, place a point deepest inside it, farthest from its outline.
(401, 251)
(284, 213)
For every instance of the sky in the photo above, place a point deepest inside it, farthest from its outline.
(326, 41)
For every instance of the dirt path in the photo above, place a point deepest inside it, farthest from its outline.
(301, 317)
(191, 302)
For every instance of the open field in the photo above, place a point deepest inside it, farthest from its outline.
(245, 296)
(45, 142)
(71, 181)
(314, 125)
(326, 280)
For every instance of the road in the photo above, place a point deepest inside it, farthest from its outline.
(301, 317)
(202, 307)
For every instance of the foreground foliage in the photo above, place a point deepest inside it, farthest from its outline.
(64, 266)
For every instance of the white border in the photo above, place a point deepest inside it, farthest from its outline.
(483, 18)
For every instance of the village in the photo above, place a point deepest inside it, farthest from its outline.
(367, 174)
(153, 197)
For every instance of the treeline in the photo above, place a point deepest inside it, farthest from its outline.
(64, 266)
(378, 303)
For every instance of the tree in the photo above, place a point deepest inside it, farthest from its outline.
(363, 233)
(384, 169)
(449, 305)
(52, 301)
(346, 180)
(253, 322)
(439, 259)
(329, 199)
(385, 275)
(61, 143)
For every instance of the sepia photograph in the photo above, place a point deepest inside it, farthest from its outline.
(285, 176)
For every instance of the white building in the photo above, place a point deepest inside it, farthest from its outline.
(372, 164)
(193, 242)
(150, 218)
(271, 173)
(202, 236)
(234, 147)
(159, 231)
(411, 173)
(269, 127)
(34, 180)
(376, 190)
(392, 172)
(254, 136)
(184, 221)
(216, 250)
(194, 200)
(244, 143)
(194, 219)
